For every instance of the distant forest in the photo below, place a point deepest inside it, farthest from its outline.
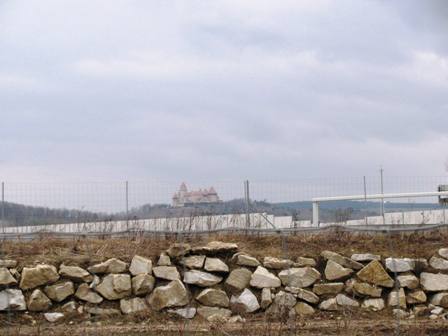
(19, 215)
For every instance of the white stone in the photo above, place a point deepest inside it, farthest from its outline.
(344, 300)
(247, 300)
(215, 265)
(373, 304)
(299, 277)
(246, 260)
(133, 305)
(166, 272)
(140, 265)
(262, 278)
(329, 304)
(400, 265)
(187, 313)
(334, 271)
(12, 299)
(201, 279)
(53, 317)
(362, 257)
(438, 263)
(434, 282)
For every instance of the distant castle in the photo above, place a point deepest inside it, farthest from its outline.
(184, 197)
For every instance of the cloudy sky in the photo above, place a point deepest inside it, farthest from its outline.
(108, 90)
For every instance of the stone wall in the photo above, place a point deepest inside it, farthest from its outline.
(218, 282)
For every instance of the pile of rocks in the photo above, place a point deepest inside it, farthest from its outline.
(217, 282)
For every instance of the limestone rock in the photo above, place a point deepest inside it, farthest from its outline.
(420, 310)
(84, 293)
(38, 301)
(416, 296)
(341, 260)
(216, 247)
(201, 279)
(60, 291)
(443, 252)
(276, 263)
(328, 288)
(69, 307)
(172, 295)
(106, 312)
(246, 260)
(164, 260)
(299, 277)
(238, 279)
(303, 309)
(344, 301)
(113, 265)
(262, 278)
(166, 272)
(434, 282)
(363, 288)
(133, 305)
(8, 263)
(375, 274)
(303, 294)
(75, 273)
(329, 304)
(363, 257)
(408, 281)
(12, 299)
(196, 261)
(33, 277)
(208, 312)
(334, 271)
(143, 284)
(400, 313)
(213, 298)
(284, 300)
(178, 250)
(400, 265)
(236, 319)
(304, 261)
(6, 278)
(266, 298)
(53, 317)
(246, 302)
(440, 299)
(438, 263)
(373, 304)
(140, 265)
(397, 299)
(115, 286)
(215, 265)
(187, 313)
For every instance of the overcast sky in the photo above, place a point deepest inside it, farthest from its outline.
(109, 90)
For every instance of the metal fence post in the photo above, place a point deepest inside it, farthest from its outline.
(3, 206)
(247, 201)
(127, 205)
(316, 214)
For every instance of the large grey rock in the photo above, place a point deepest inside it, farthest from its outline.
(400, 265)
(397, 299)
(363, 257)
(209, 312)
(115, 286)
(365, 289)
(303, 309)
(103, 312)
(213, 298)
(238, 279)
(375, 274)
(38, 301)
(373, 304)
(262, 278)
(6, 278)
(33, 277)
(299, 277)
(276, 263)
(193, 262)
(177, 250)
(246, 260)
(416, 296)
(303, 294)
(344, 301)
(172, 295)
(164, 260)
(334, 271)
(60, 291)
(434, 282)
(305, 261)
(245, 302)
(440, 299)
(69, 307)
(216, 247)
(438, 263)
(408, 281)
(75, 273)
(8, 263)
(331, 288)
(284, 299)
(443, 252)
(133, 305)
(84, 293)
(143, 284)
(113, 265)
(329, 304)
(215, 265)
(341, 260)
(186, 313)
(140, 265)
(53, 317)
(12, 299)
(201, 279)
(166, 272)
(266, 298)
